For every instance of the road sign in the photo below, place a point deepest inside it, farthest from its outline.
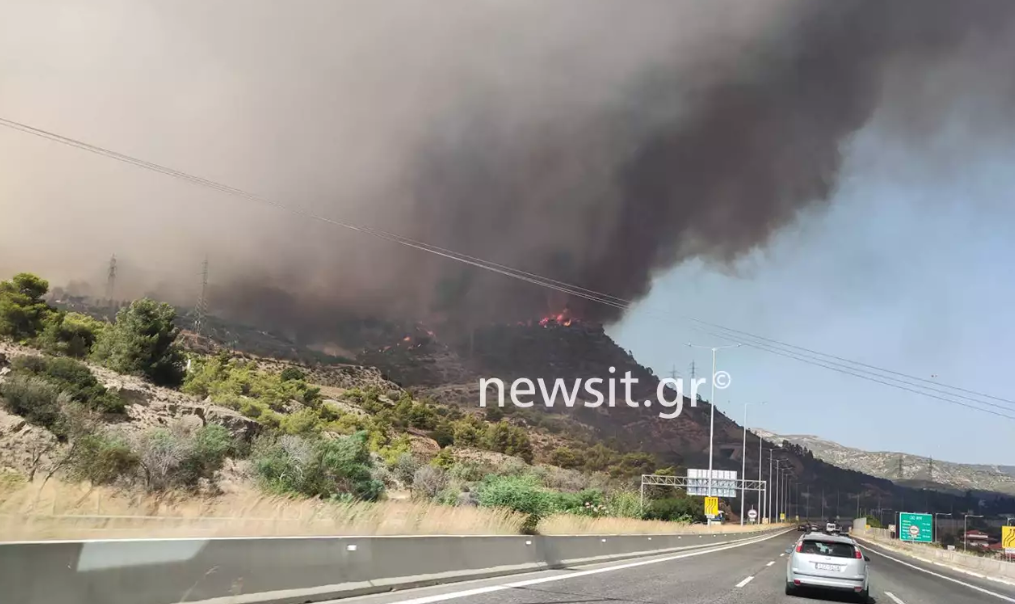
(753, 515)
(917, 528)
(711, 507)
(1008, 539)
(782, 516)
(724, 483)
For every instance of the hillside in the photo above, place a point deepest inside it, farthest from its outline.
(444, 364)
(906, 469)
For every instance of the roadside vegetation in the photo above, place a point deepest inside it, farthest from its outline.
(345, 451)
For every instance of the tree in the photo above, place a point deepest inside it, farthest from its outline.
(22, 309)
(143, 342)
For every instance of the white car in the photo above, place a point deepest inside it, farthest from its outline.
(829, 563)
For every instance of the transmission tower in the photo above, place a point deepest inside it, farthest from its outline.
(111, 281)
(202, 302)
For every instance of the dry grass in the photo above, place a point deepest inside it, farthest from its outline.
(564, 524)
(61, 511)
(65, 511)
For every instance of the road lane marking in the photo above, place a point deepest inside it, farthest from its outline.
(584, 573)
(892, 596)
(745, 581)
(770, 564)
(781, 555)
(940, 576)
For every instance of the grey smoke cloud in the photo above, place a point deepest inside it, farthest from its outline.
(597, 143)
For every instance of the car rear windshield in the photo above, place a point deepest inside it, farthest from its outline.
(828, 548)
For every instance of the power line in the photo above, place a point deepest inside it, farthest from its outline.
(772, 346)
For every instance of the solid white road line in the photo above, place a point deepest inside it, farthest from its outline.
(584, 573)
(770, 564)
(940, 576)
(745, 581)
(892, 596)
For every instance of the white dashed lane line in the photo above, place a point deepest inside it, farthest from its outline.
(745, 581)
(770, 564)
(894, 598)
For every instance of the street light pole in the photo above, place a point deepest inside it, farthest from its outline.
(711, 403)
(761, 462)
(743, 466)
(775, 492)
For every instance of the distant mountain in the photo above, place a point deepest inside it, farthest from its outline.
(905, 469)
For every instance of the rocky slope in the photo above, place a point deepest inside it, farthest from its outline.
(903, 468)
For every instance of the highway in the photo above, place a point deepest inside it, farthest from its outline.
(753, 573)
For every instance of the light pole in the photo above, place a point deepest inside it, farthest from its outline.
(711, 403)
(936, 532)
(743, 466)
(768, 487)
(775, 492)
(761, 461)
(965, 529)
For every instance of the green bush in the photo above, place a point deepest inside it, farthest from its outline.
(566, 457)
(69, 334)
(443, 460)
(176, 458)
(142, 342)
(502, 437)
(317, 467)
(102, 458)
(72, 377)
(229, 380)
(23, 312)
(443, 434)
(33, 398)
(675, 509)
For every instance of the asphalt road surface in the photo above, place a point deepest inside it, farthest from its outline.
(754, 573)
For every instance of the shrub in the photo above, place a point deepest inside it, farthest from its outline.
(429, 480)
(443, 460)
(304, 421)
(33, 398)
(317, 468)
(23, 311)
(566, 457)
(624, 504)
(176, 457)
(521, 494)
(676, 509)
(502, 437)
(69, 334)
(102, 458)
(72, 377)
(405, 468)
(142, 342)
(443, 434)
(467, 432)
(291, 373)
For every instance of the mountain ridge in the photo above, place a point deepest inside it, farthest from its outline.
(905, 468)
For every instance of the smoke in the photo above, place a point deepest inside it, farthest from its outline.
(590, 142)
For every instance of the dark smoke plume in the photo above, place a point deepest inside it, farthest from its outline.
(601, 166)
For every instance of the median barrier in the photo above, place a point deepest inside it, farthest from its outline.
(291, 570)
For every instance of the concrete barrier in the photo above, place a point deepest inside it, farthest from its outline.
(988, 567)
(294, 570)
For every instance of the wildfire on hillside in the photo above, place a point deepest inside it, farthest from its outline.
(562, 319)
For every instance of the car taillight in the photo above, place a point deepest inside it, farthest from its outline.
(800, 547)
(859, 554)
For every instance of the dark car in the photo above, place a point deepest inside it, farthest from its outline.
(804, 528)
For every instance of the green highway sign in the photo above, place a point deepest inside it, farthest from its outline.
(917, 528)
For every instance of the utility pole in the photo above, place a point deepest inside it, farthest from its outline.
(900, 467)
(743, 466)
(771, 482)
(822, 504)
(202, 302)
(111, 281)
(761, 462)
(711, 405)
(930, 470)
(807, 501)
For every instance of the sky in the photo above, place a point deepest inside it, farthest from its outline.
(910, 269)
